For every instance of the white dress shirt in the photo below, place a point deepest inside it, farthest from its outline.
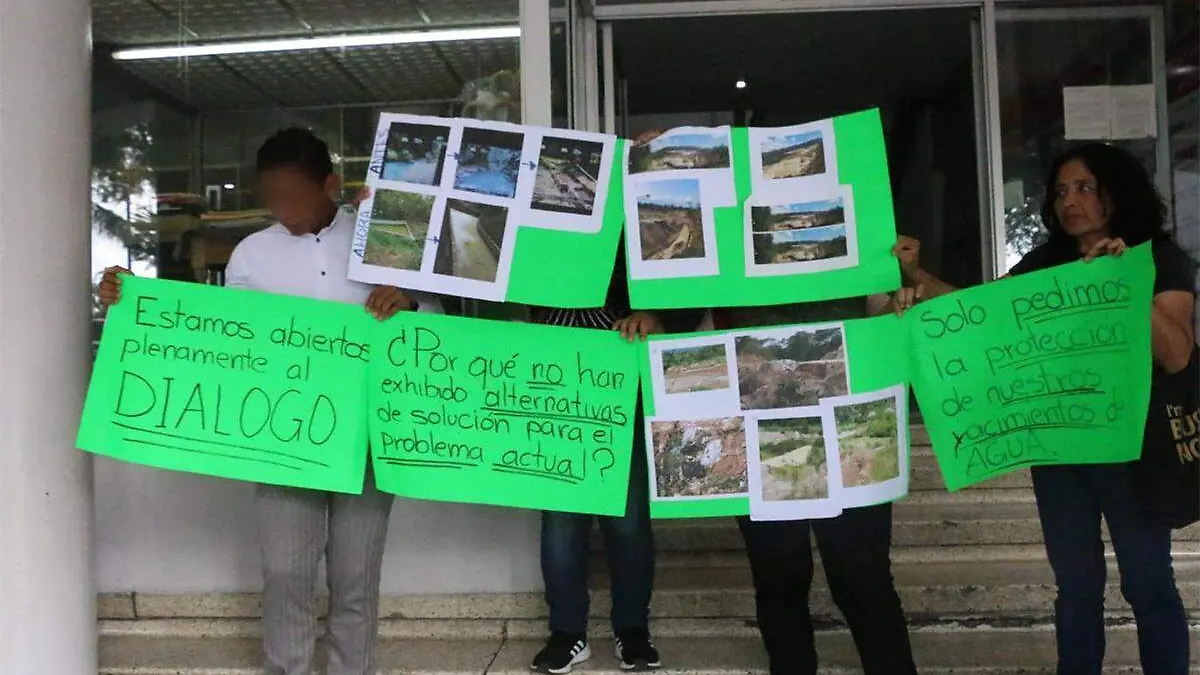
(309, 265)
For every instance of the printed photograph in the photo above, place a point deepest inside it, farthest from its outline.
(868, 445)
(683, 149)
(793, 155)
(471, 240)
(415, 153)
(489, 161)
(567, 174)
(792, 459)
(693, 369)
(670, 223)
(791, 371)
(700, 458)
(399, 228)
(799, 232)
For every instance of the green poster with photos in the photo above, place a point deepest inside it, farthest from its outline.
(781, 423)
(760, 216)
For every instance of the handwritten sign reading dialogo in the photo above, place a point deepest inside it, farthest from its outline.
(232, 383)
(1051, 367)
(510, 414)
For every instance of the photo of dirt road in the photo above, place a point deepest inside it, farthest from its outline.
(793, 155)
(793, 371)
(568, 170)
(398, 231)
(695, 369)
(699, 458)
(471, 240)
(670, 223)
(868, 444)
(682, 149)
(792, 459)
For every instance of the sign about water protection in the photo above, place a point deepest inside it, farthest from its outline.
(1051, 367)
(490, 210)
(761, 215)
(511, 414)
(786, 423)
(232, 383)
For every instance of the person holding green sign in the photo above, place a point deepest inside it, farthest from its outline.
(1099, 200)
(855, 546)
(628, 540)
(306, 254)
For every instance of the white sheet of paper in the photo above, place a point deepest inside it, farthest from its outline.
(1133, 112)
(1087, 113)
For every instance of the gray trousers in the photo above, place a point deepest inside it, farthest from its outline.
(296, 527)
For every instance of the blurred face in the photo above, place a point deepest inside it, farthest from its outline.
(1078, 204)
(298, 201)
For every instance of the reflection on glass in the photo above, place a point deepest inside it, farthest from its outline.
(1037, 59)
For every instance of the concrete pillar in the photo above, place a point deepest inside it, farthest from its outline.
(47, 591)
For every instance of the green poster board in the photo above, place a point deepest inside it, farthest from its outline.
(510, 414)
(792, 214)
(490, 211)
(1051, 367)
(781, 423)
(232, 383)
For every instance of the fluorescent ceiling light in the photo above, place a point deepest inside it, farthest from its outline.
(332, 42)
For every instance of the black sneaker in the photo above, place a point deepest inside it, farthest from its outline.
(636, 652)
(561, 653)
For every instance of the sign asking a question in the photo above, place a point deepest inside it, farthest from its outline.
(502, 413)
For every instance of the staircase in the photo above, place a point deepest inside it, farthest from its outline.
(970, 569)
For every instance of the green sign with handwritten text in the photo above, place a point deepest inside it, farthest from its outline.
(488, 412)
(1051, 367)
(232, 383)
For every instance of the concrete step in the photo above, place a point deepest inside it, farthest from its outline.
(936, 589)
(929, 520)
(723, 647)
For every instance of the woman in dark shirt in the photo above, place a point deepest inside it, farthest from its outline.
(1098, 201)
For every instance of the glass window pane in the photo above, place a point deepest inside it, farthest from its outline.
(1037, 59)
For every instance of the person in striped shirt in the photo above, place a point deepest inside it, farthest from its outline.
(628, 539)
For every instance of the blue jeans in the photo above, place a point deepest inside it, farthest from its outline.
(628, 543)
(1071, 500)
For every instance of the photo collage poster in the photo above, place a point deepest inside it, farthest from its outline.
(781, 423)
(490, 211)
(760, 216)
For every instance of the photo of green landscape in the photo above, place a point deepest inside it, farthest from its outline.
(792, 459)
(868, 444)
(399, 228)
(695, 369)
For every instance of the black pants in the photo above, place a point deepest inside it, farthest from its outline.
(855, 549)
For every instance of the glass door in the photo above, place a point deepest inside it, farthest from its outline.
(1073, 75)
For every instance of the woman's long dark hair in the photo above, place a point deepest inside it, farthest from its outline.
(1136, 210)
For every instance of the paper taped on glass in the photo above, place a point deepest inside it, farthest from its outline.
(1108, 113)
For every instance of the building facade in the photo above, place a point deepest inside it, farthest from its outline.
(976, 97)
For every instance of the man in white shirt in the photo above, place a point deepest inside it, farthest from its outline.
(306, 254)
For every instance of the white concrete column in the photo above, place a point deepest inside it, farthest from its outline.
(47, 591)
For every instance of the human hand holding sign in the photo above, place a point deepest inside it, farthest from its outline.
(110, 285)
(1113, 246)
(638, 325)
(385, 301)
